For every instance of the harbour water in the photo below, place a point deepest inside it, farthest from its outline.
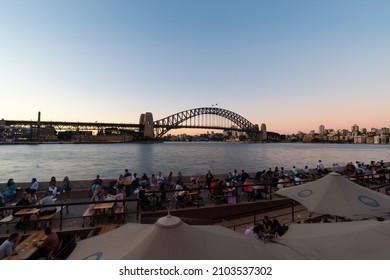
(85, 161)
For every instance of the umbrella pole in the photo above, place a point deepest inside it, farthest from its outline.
(292, 212)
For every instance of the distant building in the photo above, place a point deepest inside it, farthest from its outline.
(322, 129)
(361, 139)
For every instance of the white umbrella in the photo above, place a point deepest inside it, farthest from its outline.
(336, 195)
(171, 239)
(361, 240)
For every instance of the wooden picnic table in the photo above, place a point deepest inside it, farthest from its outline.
(103, 206)
(26, 212)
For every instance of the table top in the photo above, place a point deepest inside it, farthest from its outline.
(27, 211)
(26, 248)
(107, 205)
(260, 187)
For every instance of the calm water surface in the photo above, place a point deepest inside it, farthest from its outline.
(84, 161)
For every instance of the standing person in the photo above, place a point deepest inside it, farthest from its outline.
(9, 245)
(179, 177)
(235, 176)
(170, 180)
(10, 190)
(47, 247)
(209, 179)
(65, 186)
(127, 178)
(53, 186)
(320, 168)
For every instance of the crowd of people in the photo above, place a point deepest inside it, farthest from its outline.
(129, 184)
(267, 229)
(10, 189)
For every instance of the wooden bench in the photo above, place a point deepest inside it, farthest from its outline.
(119, 211)
(47, 218)
(89, 213)
(7, 220)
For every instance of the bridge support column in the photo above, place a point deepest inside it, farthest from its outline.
(263, 132)
(148, 126)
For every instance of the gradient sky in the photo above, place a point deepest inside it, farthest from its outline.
(290, 64)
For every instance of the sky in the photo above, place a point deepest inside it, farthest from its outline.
(292, 65)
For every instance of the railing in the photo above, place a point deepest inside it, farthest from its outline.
(239, 188)
(69, 204)
(254, 213)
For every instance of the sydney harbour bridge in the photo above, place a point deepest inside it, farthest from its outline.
(212, 118)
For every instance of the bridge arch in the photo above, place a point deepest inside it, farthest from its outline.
(162, 126)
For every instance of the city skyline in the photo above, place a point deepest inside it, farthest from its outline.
(290, 65)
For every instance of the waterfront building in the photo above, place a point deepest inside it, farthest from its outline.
(385, 130)
(361, 139)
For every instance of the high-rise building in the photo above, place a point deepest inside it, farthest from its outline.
(322, 129)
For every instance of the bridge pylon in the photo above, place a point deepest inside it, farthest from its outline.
(147, 125)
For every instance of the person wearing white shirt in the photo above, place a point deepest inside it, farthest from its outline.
(7, 248)
(34, 185)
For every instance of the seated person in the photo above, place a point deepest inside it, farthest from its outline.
(181, 195)
(34, 186)
(65, 187)
(25, 200)
(178, 188)
(53, 186)
(163, 194)
(95, 183)
(2, 200)
(213, 186)
(10, 190)
(9, 245)
(144, 200)
(277, 227)
(219, 189)
(248, 186)
(99, 194)
(268, 226)
(48, 246)
(47, 200)
(120, 195)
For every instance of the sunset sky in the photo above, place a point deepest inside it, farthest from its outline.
(290, 64)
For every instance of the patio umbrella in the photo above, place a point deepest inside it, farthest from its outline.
(336, 195)
(171, 239)
(359, 240)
